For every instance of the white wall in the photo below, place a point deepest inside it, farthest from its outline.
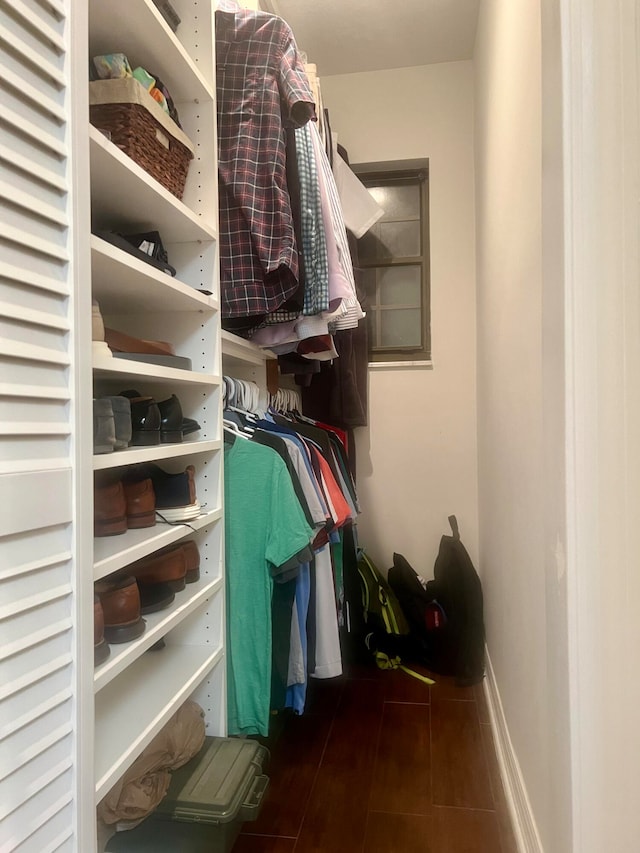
(417, 460)
(602, 233)
(520, 406)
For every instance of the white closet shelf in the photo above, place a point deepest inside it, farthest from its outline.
(120, 280)
(125, 197)
(135, 455)
(242, 350)
(133, 708)
(143, 35)
(111, 553)
(158, 624)
(108, 367)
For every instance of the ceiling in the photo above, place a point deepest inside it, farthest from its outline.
(345, 36)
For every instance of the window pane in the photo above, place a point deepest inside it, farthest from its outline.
(369, 285)
(399, 239)
(391, 240)
(398, 202)
(400, 328)
(368, 245)
(371, 322)
(400, 286)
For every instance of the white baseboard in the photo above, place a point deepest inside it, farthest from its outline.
(522, 818)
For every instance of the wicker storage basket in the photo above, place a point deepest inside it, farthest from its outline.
(139, 126)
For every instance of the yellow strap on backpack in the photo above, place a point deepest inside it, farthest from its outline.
(383, 661)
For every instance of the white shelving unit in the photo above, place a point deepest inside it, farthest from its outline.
(70, 730)
(243, 360)
(157, 691)
(113, 553)
(138, 689)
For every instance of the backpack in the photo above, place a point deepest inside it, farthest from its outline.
(424, 615)
(382, 611)
(446, 617)
(387, 634)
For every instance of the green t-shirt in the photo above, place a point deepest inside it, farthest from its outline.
(264, 526)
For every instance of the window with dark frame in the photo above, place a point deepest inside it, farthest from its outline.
(394, 258)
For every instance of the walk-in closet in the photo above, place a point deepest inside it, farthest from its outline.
(294, 291)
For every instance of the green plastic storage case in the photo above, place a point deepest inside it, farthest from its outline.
(207, 802)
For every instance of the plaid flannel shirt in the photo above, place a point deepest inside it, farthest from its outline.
(262, 87)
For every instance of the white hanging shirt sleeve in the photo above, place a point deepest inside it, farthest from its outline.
(359, 208)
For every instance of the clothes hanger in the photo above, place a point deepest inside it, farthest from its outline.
(231, 427)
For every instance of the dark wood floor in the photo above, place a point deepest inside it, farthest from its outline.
(381, 763)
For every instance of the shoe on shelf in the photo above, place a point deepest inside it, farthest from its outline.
(173, 423)
(145, 421)
(99, 346)
(172, 420)
(121, 408)
(176, 499)
(101, 650)
(104, 429)
(155, 597)
(120, 600)
(121, 342)
(192, 559)
(109, 509)
(164, 567)
(141, 503)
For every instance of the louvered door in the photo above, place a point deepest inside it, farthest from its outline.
(45, 393)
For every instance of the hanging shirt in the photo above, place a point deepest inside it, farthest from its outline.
(261, 87)
(264, 527)
(328, 656)
(359, 208)
(341, 283)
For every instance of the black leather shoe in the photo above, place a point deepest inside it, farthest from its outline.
(174, 426)
(145, 421)
(171, 413)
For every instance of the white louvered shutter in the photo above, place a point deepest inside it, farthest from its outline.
(41, 728)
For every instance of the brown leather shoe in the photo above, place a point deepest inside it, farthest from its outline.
(101, 650)
(162, 567)
(120, 602)
(192, 560)
(141, 503)
(109, 509)
(121, 342)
